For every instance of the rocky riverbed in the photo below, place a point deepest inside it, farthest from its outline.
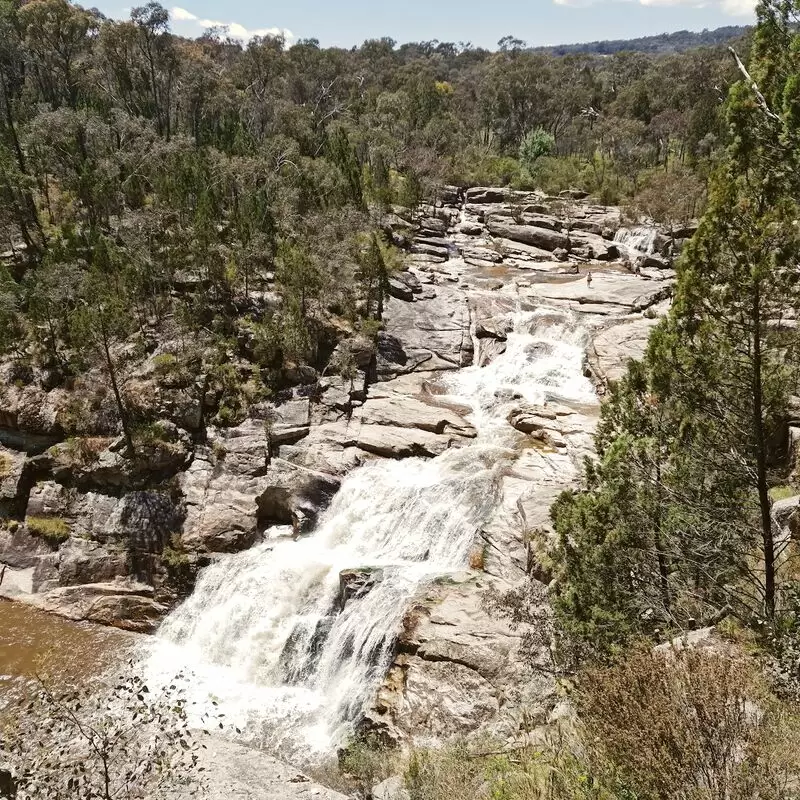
(91, 537)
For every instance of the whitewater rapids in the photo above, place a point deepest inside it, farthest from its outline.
(264, 633)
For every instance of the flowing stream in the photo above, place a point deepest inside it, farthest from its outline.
(641, 238)
(290, 656)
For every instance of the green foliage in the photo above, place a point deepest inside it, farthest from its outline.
(53, 530)
(82, 450)
(143, 205)
(174, 559)
(783, 492)
(675, 525)
(492, 769)
(536, 144)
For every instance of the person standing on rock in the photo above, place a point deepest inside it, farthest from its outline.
(589, 278)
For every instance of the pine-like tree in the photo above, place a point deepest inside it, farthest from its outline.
(676, 521)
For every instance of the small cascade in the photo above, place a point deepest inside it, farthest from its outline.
(293, 637)
(641, 238)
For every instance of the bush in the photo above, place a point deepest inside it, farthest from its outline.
(54, 530)
(164, 363)
(492, 770)
(366, 762)
(687, 723)
(174, 559)
(535, 145)
(102, 740)
(776, 493)
(476, 168)
(555, 174)
(171, 371)
(84, 450)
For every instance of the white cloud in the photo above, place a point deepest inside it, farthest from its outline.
(732, 7)
(235, 29)
(182, 15)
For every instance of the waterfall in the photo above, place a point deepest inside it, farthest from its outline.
(641, 238)
(269, 632)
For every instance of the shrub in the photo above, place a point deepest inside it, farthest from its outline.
(102, 740)
(220, 451)
(164, 363)
(536, 144)
(84, 450)
(367, 762)
(498, 771)
(556, 174)
(171, 371)
(174, 559)
(54, 530)
(687, 723)
(181, 568)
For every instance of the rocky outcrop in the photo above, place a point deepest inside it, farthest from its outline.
(94, 535)
(391, 789)
(615, 346)
(460, 666)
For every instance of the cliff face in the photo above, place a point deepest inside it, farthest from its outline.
(92, 534)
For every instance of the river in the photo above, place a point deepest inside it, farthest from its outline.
(265, 632)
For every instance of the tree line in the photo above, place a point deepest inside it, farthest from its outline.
(234, 195)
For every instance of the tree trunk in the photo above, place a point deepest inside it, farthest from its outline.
(663, 570)
(23, 167)
(112, 374)
(767, 540)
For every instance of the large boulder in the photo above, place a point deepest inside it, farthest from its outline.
(291, 494)
(391, 789)
(329, 448)
(615, 346)
(592, 247)
(480, 195)
(14, 483)
(543, 238)
(120, 604)
(149, 396)
(391, 441)
(29, 410)
(19, 548)
(425, 335)
(402, 411)
(82, 562)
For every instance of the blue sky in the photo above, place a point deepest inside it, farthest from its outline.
(345, 23)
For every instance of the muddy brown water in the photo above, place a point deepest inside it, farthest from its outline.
(34, 643)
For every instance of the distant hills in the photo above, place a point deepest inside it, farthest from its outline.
(662, 43)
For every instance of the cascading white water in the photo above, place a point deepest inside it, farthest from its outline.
(266, 630)
(641, 238)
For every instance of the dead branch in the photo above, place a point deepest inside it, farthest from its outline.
(754, 86)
